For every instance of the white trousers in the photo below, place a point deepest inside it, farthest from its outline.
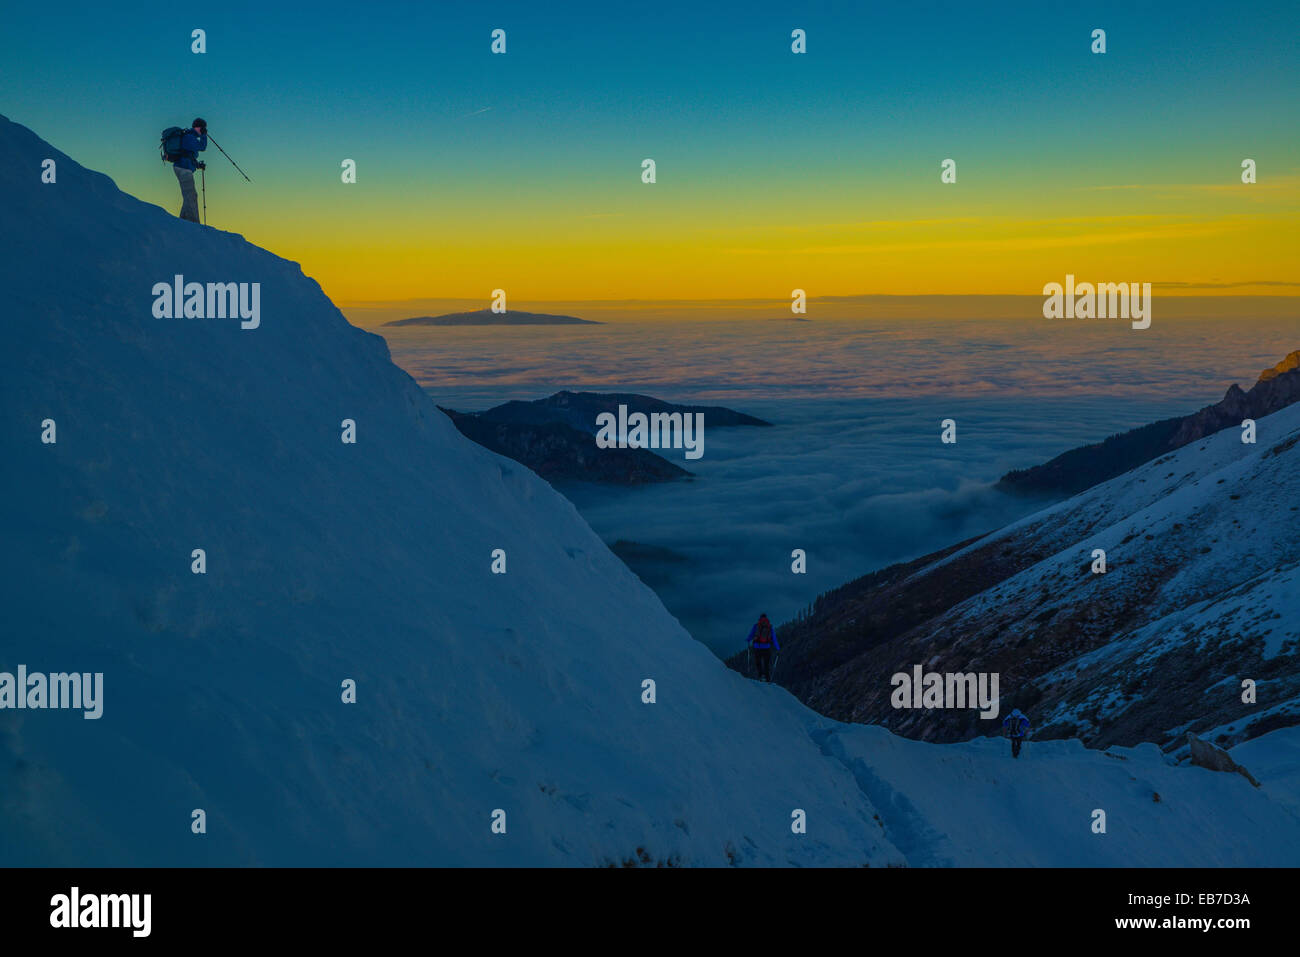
(190, 206)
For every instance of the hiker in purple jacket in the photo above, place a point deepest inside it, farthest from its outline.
(1015, 726)
(762, 639)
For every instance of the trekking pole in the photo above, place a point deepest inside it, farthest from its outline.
(771, 672)
(203, 178)
(227, 156)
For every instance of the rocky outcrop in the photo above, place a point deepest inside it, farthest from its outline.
(1276, 388)
(1207, 755)
(1081, 468)
(1286, 365)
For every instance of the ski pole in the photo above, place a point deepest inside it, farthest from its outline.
(227, 156)
(203, 178)
(771, 672)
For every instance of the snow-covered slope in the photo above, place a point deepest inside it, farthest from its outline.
(970, 804)
(1274, 759)
(372, 561)
(1201, 591)
(326, 561)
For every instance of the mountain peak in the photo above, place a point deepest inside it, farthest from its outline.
(1292, 361)
(1088, 465)
(1234, 394)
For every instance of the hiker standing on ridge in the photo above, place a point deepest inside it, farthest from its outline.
(1015, 726)
(192, 142)
(762, 639)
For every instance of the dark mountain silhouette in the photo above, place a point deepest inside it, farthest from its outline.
(559, 452)
(486, 317)
(555, 436)
(579, 410)
(1084, 467)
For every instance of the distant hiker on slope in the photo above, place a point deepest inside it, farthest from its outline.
(762, 639)
(181, 148)
(1015, 726)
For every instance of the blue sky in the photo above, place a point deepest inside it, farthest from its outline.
(457, 147)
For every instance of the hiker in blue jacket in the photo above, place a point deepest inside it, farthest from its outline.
(193, 143)
(1015, 726)
(762, 639)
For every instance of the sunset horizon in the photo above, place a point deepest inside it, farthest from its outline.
(938, 152)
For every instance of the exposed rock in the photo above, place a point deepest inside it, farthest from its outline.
(1286, 365)
(1207, 755)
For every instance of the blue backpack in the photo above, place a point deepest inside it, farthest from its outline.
(170, 144)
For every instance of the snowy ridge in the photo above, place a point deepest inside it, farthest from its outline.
(1198, 596)
(1178, 481)
(1202, 561)
(371, 561)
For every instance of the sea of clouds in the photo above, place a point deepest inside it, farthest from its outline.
(858, 484)
(853, 471)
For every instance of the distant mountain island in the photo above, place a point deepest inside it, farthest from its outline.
(1072, 472)
(486, 317)
(557, 451)
(579, 410)
(555, 436)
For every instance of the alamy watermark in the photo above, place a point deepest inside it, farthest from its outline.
(179, 299)
(1108, 300)
(658, 430)
(76, 690)
(931, 689)
(76, 909)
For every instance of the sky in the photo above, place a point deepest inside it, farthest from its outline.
(775, 171)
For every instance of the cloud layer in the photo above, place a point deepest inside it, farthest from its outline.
(853, 472)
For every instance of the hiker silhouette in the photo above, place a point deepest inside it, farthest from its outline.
(762, 639)
(1015, 726)
(181, 148)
